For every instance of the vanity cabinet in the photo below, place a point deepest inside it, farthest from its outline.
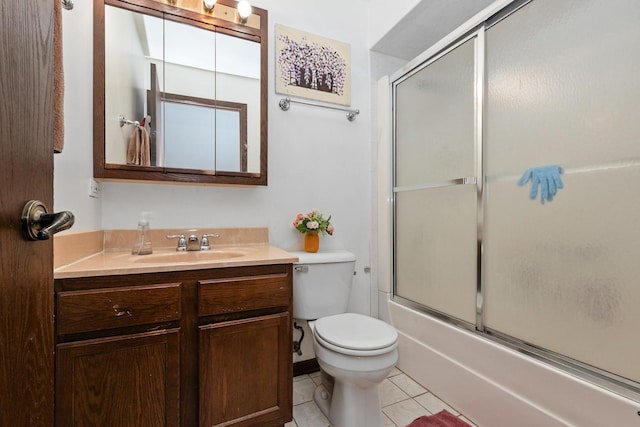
(184, 348)
(118, 352)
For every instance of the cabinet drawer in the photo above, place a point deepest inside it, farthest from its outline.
(243, 294)
(98, 309)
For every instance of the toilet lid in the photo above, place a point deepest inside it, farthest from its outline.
(356, 331)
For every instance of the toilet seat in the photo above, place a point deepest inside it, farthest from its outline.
(355, 334)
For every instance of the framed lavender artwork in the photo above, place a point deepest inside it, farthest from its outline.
(312, 67)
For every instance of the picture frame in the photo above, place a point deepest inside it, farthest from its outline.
(312, 67)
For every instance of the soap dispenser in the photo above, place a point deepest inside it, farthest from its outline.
(142, 245)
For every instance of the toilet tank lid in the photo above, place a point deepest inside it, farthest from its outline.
(324, 257)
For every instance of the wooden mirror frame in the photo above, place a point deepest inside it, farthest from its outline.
(158, 8)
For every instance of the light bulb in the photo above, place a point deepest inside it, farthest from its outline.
(244, 10)
(209, 4)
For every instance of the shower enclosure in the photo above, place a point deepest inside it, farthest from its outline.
(546, 92)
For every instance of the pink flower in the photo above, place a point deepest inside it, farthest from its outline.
(313, 222)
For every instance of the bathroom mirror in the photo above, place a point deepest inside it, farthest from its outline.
(179, 92)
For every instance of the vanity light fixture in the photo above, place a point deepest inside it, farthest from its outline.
(244, 11)
(209, 5)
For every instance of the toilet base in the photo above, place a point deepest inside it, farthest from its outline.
(363, 408)
(322, 397)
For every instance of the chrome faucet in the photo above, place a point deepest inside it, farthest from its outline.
(204, 242)
(182, 242)
(191, 243)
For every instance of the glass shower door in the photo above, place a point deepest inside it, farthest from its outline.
(563, 79)
(435, 184)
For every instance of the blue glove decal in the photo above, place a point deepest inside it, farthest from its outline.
(545, 177)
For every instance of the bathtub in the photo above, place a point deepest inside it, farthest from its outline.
(495, 386)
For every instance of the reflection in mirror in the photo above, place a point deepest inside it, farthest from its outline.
(238, 82)
(126, 65)
(198, 92)
(190, 145)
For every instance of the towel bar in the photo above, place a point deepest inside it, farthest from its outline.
(123, 121)
(286, 102)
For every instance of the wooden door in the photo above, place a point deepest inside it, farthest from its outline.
(26, 172)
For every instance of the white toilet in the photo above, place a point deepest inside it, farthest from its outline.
(357, 351)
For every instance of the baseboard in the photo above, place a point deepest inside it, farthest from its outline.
(305, 367)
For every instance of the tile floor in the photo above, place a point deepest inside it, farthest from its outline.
(402, 400)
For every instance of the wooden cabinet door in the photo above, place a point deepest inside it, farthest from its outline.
(245, 377)
(131, 380)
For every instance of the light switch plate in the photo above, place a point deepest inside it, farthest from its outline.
(95, 188)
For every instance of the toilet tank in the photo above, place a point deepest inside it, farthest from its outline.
(322, 283)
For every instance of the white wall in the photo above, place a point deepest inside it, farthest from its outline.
(317, 159)
(73, 168)
(383, 15)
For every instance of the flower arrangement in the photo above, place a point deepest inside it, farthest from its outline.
(313, 222)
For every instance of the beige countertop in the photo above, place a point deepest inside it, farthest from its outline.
(77, 256)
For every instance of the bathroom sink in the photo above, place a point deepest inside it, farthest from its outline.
(187, 257)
